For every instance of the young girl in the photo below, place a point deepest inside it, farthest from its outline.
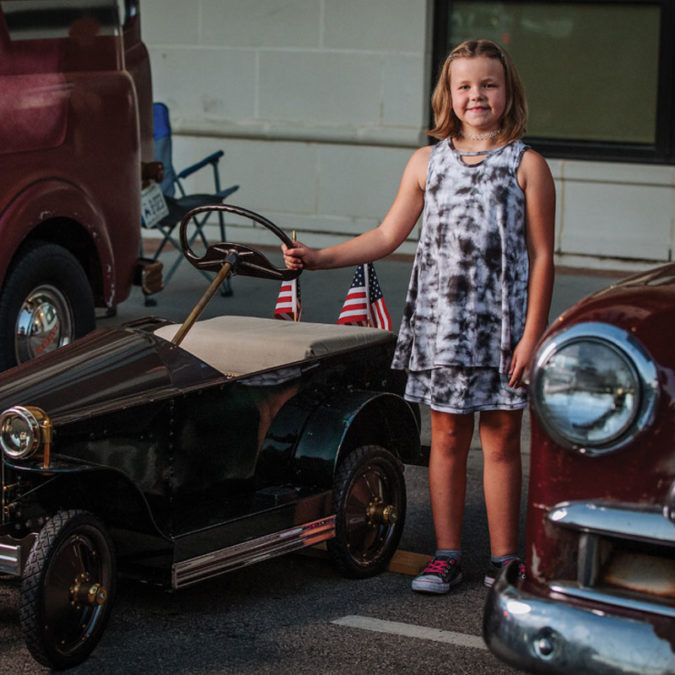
(479, 294)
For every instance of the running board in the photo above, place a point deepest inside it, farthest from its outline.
(210, 565)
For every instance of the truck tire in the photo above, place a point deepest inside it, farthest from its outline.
(45, 302)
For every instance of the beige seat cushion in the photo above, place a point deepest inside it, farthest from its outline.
(244, 344)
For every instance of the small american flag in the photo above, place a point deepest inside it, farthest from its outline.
(289, 306)
(365, 304)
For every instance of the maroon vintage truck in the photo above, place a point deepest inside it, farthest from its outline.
(75, 133)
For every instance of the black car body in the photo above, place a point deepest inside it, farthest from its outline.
(253, 438)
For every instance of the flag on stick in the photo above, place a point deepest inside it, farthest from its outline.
(364, 305)
(289, 305)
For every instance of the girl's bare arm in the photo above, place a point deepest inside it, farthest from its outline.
(535, 178)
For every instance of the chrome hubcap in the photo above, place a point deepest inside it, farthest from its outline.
(43, 324)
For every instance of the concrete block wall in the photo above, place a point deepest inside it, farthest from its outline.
(318, 105)
(614, 215)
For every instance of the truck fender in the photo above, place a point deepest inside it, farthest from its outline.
(45, 200)
(348, 420)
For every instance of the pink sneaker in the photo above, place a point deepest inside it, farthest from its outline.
(439, 576)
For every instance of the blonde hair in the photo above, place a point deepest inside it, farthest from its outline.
(446, 124)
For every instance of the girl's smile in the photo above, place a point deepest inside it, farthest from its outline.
(477, 86)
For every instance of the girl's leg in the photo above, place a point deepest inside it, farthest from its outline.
(502, 477)
(450, 442)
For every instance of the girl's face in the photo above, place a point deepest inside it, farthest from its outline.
(478, 90)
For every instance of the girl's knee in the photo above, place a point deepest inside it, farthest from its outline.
(500, 435)
(451, 434)
(504, 423)
(447, 425)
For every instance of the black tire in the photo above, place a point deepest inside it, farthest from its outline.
(67, 589)
(48, 276)
(370, 503)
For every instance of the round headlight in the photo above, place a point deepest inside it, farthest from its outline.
(593, 388)
(20, 434)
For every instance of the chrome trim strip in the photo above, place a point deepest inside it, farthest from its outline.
(10, 560)
(635, 354)
(13, 555)
(549, 636)
(209, 565)
(588, 559)
(615, 520)
(669, 508)
(614, 599)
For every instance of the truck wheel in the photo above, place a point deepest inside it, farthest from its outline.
(370, 502)
(67, 589)
(45, 302)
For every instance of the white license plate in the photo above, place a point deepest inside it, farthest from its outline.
(153, 205)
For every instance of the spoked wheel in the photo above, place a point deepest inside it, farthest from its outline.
(370, 504)
(67, 589)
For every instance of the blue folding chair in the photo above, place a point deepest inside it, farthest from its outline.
(177, 200)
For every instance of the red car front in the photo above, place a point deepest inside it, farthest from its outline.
(600, 544)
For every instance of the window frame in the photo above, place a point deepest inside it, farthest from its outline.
(662, 151)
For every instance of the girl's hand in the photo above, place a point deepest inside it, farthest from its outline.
(520, 362)
(299, 257)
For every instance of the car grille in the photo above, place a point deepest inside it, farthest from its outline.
(626, 556)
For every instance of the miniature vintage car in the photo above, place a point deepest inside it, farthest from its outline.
(599, 592)
(176, 455)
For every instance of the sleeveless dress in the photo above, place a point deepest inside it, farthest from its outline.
(467, 299)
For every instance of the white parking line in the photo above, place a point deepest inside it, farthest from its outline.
(410, 630)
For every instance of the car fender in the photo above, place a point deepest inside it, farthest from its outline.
(39, 212)
(348, 420)
(107, 493)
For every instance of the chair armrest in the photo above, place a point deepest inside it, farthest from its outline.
(211, 159)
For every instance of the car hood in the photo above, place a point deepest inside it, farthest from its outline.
(641, 304)
(106, 369)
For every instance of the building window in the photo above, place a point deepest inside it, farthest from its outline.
(598, 74)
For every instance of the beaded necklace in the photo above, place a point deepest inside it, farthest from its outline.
(481, 137)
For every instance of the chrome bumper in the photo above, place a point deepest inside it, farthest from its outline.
(547, 636)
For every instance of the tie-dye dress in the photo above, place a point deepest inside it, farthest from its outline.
(467, 300)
